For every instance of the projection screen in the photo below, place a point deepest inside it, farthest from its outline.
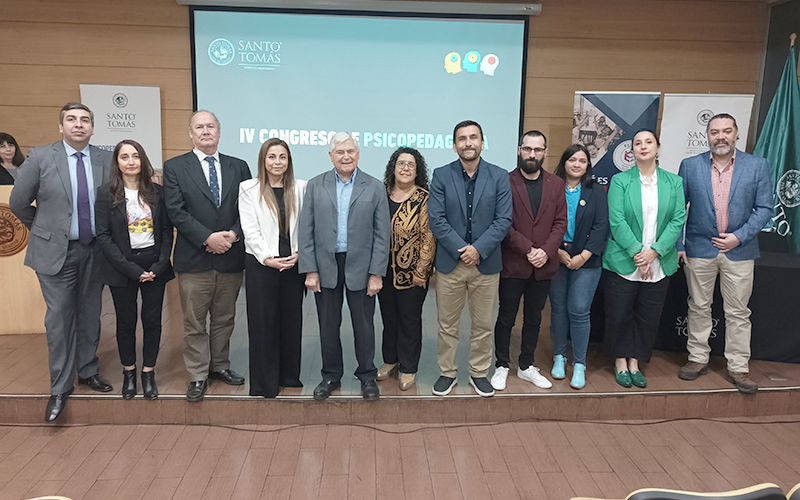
(390, 80)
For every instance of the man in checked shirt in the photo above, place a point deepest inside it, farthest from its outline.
(729, 199)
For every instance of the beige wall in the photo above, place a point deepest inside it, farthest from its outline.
(49, 47)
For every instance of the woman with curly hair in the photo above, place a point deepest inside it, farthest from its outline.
(411, 252)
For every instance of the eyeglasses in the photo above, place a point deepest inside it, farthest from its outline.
(410, 165)
(527, 150)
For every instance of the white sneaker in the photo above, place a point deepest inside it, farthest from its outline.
(499, 378)
(532, 375)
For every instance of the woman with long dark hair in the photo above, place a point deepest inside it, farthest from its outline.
(10, 158)
(572, 289)
(135, 235)
(646, 210)
(411, 252)
(269, 207)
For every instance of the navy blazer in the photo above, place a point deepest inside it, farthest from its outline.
(191, 208)
(749, 206)
(591, 224)
(114, 267)
(491, 215)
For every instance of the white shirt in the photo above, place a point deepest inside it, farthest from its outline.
(650, 224)
(140, 220)
(202, 157)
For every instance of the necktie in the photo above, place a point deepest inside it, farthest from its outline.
(213, 180)
(84, 207)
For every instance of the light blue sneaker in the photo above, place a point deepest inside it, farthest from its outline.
(578, 377)
(558, 367)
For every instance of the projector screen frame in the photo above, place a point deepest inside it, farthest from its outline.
(525, 19)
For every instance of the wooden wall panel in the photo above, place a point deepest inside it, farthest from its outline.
(53, 85)
(659, 45)
(86, 12)
(121, 46)
(650, 20)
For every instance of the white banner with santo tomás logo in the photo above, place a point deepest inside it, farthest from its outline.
(683, 124)
(126, 112)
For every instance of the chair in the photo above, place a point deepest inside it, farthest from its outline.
(765, 491)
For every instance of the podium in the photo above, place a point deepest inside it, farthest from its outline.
(21, 300)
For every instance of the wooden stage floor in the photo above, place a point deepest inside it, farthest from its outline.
(24, 375)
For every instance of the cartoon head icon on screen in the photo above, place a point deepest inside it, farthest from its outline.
(489, 64)
(471, 60)
(452, 63)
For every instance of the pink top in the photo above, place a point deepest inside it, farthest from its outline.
(721, 176)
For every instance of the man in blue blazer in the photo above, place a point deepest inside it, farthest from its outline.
(469, 210)
(730, 200)
(62, 178)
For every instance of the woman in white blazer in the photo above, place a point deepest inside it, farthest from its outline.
(269, 207)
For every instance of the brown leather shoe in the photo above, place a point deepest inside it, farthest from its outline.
(692, 370)
(407, 380)
(386, 370)
(742, 381)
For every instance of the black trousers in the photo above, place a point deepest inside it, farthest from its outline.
(274, 326)
(125, 306)
(362, 311)
(511, 291)
(633, 313)
(401, 311)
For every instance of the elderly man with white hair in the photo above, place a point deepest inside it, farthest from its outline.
(343, 237)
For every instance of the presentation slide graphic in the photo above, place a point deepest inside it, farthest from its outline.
(390, 81)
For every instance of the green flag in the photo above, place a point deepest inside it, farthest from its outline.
(779, 143)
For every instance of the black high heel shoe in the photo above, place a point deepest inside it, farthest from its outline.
(128, 384)
(149, 386)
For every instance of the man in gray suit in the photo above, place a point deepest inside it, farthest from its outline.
(62, 178)
(343, 236)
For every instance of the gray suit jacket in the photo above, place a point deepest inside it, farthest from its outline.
(44, 178)
(367, 231)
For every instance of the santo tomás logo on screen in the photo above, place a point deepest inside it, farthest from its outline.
(249, 54)
(471, 62)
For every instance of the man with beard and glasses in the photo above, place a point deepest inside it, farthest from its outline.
(729, 199)
(469, 210)
(530, 257)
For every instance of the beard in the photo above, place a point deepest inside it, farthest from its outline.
(722, 148)
(529, 166)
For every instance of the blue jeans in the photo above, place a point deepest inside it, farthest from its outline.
(571, 294)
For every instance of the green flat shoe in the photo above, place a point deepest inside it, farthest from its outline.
(623, 377)
(638, 379)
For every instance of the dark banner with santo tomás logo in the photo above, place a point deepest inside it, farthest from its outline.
(605, 123)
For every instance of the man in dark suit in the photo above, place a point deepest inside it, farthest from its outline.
(730, 200)
(530, 257)
(469, 210)
(201, 188)
(62, 178)
(343, 238)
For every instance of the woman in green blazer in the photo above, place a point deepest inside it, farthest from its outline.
(646, 211)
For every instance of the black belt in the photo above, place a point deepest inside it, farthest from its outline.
(567, 246)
